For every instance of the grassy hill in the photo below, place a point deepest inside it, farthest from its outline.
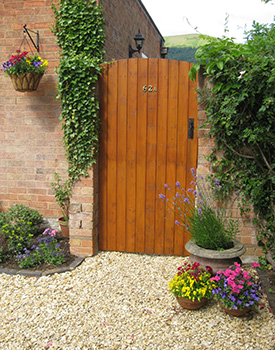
(183, 47)
(186, 40)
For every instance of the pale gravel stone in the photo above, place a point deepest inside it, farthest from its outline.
(119, 301)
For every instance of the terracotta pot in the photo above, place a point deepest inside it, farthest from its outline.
(189, 304)
(218, 260)
(26, 82)
(63, 227)
(235, 312)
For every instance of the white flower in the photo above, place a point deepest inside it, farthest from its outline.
(241, 74)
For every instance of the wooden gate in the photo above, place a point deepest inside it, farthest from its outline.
(146, 107)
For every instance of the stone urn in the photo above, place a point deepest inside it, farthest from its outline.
(218, 260)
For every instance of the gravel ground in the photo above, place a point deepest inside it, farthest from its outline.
(120, 301)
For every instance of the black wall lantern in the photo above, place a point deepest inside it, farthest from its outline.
(139, 43)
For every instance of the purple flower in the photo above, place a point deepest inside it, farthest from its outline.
(37, 64)
(178, 184)
(177, 222)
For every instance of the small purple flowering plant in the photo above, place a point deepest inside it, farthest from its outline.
(236, 289)
(195, 211)
(46, 251)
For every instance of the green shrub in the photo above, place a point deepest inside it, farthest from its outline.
(18, 225)
(18, 235)
(240, 105)
(21, 212)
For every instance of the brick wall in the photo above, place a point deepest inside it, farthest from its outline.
(31, 138)
(30, 131)
(247, 234)
(123, 18)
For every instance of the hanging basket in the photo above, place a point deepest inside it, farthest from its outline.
(26, 82)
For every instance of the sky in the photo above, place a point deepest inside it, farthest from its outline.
(176, 17)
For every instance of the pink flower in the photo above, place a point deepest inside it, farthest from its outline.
(216, 278)
(236, 264)
(249, 283)
(238, 270)
(227, 272)
(255, 265)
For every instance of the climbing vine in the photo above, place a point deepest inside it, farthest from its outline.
(240, 108)
(79, 28)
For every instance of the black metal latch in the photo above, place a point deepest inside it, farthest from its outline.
(191, 128)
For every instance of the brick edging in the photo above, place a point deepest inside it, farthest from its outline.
(30, 273)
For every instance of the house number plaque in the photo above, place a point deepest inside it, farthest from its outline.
(149, 88)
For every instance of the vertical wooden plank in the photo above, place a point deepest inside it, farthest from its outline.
(161, 154)
(131, 156)
(151, 156)
(192, 143)
(112, 158)
(171, 150)
(141, 154)
(121, 155)
(182, 146)
(103, 164)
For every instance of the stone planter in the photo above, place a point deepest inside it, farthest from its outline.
(218, 260)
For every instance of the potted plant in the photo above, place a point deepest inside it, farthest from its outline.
(236, 290)
(62, 193)
(25, 70)
(192, 285)
(211, 231)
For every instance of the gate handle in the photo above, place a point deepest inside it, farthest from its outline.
(191, 128)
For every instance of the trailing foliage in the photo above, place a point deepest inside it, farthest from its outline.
(80, 35)
(240, 105)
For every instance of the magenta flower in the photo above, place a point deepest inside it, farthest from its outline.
(216, 278)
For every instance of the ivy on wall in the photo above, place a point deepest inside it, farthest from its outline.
(240, 109)
(79, 28)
